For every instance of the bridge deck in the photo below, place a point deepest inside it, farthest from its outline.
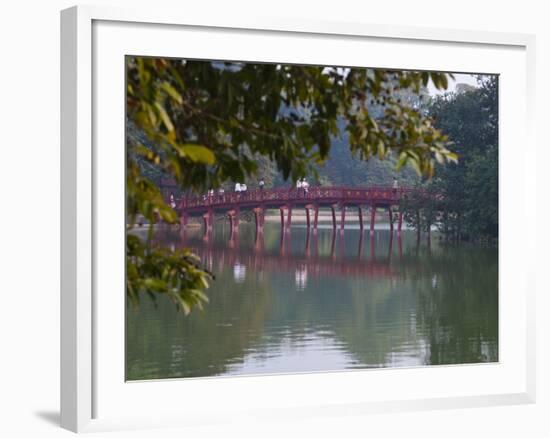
(275, 198)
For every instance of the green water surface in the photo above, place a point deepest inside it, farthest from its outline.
(324, 302)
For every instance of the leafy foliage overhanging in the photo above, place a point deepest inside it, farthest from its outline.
(211, 122)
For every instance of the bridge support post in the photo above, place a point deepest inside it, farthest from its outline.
(259, 241)
(233, 222)
(282, 210)
(333, 217)
(309, 207)
(399, 223)
(390, 214)
(289, 217)
(236, 221)
(372, 218)
(342, 217)
(259, 219)
(360, 213)
(208, 218)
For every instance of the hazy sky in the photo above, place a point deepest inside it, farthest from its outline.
(459, 79)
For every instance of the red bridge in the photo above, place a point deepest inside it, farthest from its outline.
(285, 199)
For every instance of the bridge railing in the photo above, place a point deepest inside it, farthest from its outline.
(294, 194)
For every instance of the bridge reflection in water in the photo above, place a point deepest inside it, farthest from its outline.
(343, 255)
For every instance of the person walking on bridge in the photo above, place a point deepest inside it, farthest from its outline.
(172, 201)
(305, 186)
(299, 186)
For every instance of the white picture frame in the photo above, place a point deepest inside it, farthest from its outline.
(87, 380)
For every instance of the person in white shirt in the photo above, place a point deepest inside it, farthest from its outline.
(172, 201)
(210, 195)
(305, 186)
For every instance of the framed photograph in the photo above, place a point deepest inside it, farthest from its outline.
(257, 209)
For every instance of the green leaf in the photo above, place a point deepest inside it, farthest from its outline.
(172, 92)
(197, 153)
(451, 156)
(165, 117)
(403, 157)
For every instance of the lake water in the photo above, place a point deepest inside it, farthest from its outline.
(320, 303)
